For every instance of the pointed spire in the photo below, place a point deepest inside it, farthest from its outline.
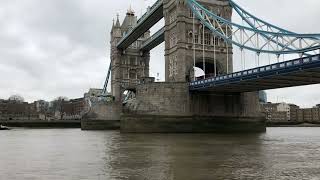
(130, 11)
(118, 22)
(112, 26)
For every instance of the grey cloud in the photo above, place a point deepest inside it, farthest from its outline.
(58, 47)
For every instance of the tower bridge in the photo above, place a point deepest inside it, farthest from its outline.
(200, 33)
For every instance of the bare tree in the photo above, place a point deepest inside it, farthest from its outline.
(57, 105)
(16, 98)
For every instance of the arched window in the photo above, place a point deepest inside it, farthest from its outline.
(133, 74)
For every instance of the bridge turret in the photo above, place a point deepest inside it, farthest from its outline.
(187, 44)
(116, 30)
(128, 65)
(129, 21)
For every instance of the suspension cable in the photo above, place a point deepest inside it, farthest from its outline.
(194, 48)
(242, 42)
(204, 63)
(214, 55)
(278, 55)
(241, 49)
(258, 53)
(300, 45)
(244, 60)
(255, 58)
(256, 43)
(282, 54)
(241, 58)
(268, 47)
(227, 49)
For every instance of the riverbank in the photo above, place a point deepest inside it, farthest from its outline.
(77, 124)
(43, 124)
(293, 125)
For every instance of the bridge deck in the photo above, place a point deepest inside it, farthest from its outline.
(153, 41)
(149, 19)
(297, 72)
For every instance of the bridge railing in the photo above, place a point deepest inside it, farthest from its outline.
(159, 2)
(255, 71)
(153, 8)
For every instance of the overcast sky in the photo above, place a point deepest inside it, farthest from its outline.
(51, 48)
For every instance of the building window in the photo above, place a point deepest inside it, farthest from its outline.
(216, 41)
(133, 74)
(196, 38)
(132, 60)
(207, 38)
(190, 14)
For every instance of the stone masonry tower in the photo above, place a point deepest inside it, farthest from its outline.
(170, 106)
(128, 66)
(182, 47)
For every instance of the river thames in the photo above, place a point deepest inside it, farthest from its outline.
(41, 154)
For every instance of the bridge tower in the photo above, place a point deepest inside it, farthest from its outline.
(169, 106)
(129, 65)
(188, 44)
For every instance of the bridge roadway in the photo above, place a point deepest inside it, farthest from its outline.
(153, 41)
(150, 18)
(297, 72)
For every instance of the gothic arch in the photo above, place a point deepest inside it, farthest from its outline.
(210, 66)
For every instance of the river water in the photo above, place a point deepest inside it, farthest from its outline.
(56, 154)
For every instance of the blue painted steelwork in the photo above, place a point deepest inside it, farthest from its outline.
(245, 15)
(276, 69)
(154, 37)
(282, 41)
(258, 23)
(105, 86)
(154, 7)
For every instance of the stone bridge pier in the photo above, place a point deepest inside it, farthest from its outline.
(170, 106)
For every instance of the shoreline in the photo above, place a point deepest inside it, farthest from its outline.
(43, 124)
(293, 125)
(77, 124)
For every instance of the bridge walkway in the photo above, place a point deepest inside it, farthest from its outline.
(297, 72)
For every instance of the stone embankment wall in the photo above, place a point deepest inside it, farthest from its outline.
(101, 116)
(170, 107)
(160, 99)
(42, 123)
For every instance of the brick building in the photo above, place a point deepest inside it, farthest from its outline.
(276, 112)
(14, 110)
(309, 115)
(282, 112)
(73, 108)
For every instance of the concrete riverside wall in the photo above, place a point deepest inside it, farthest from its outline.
(163, 98)
(42, 123)
(170, 107)
(102, 116)
(225, 104)
(190, 124)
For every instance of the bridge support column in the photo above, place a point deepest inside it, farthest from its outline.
(171, 108)
(102, 116)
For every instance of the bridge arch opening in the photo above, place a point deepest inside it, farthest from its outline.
(207, 68)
